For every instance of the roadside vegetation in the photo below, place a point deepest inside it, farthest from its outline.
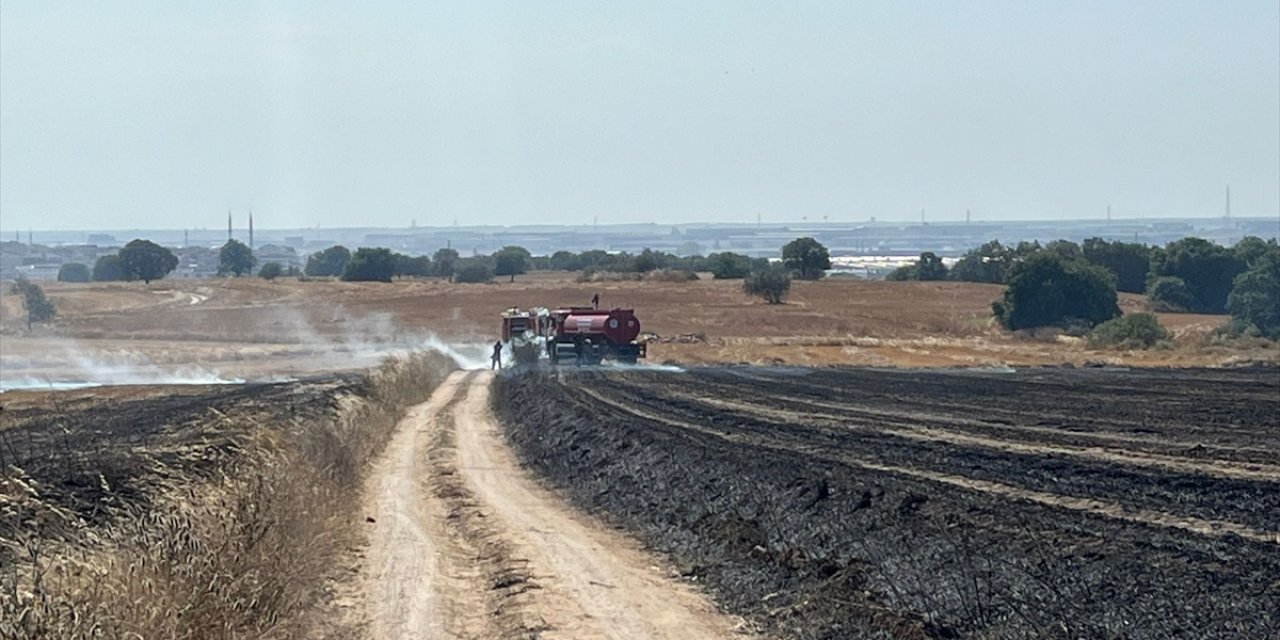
(212, 513)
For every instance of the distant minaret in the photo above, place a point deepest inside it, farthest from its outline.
(1108, 214)
(228, 224)
(251, 228)
(922, 217)
(966, 216)
(1228, 202)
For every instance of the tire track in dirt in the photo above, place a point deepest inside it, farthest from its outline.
(1246, 502)
(466, 545)
(1202, 526)
(902, 427)
(402, 573)
(1171, 413)
(946, 411)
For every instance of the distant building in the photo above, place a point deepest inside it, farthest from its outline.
(42, 271)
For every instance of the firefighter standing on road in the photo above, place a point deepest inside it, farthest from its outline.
(497, 356)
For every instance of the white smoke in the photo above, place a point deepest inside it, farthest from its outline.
(277, 344)
(468, 355)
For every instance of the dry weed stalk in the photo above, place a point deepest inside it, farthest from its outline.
(244, 554)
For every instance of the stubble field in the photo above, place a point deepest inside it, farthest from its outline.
(848, 503)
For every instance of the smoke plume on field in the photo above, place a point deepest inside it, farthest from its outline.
(271, 345)
(67, 365)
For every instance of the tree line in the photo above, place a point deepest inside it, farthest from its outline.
(804, 257)
(1063, 282)
(1060, 283)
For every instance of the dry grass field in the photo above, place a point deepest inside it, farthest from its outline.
(250, 328)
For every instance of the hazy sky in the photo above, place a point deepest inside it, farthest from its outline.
(167, 114)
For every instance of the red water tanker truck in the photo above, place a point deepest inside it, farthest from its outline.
(582, 335)
(586, 335)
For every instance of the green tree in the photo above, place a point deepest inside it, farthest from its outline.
(1065, 249)
(1130, 262)
(1129, 331)
(235, 258)
(108, 268)
(566, 261)
(38, 307)
(330, 262)
(903, 273)
(1170, 294)
(473, 271)
(444, 262)
(1045, 290)
(806, 257)
(648, 260)
(596, 259)
(1252, 248)
(988, 263)
(271, 271)
(74, 272)
(993, 262)
(146, 261)
(511, 261)
(1255, 298)
(412, 265)
(370, 264)
(1208, 270)
(771, 283)
(727, 265)
(930, 267)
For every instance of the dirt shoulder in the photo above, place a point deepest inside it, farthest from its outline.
(465, 544)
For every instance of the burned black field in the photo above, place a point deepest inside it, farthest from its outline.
(89, 456)
(847, 503)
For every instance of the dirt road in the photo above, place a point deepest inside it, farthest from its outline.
(466, 545)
